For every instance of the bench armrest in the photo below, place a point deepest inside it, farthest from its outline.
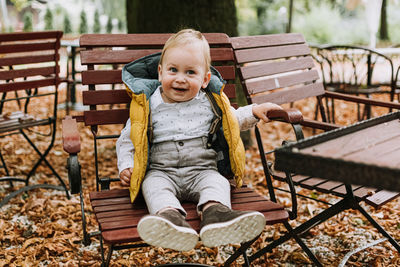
(290, 115)
(70, 136)
(72, 145)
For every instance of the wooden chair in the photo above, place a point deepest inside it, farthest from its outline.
(280, 69)
(29, 72)
(116, 216)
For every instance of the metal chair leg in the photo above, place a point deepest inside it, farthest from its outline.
(379, 228)
(43, 158)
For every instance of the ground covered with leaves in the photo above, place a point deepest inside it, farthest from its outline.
(43, 227)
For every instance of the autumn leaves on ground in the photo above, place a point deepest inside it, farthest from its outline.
(43, 228)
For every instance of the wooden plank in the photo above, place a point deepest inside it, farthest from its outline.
(103, 97)
(230, 91)
(108, 194)
(17, 48)
(101, 77)
(290, 95)
(98, 57)
(227, 72)
(260, 86)
(114, 76)
(9, 61)
(18, 36)
(275, 67)
(266, 40)
(104, 117)
(139, 40)
(43, 71)
(15, 86)
(267, 53)
(381, 198)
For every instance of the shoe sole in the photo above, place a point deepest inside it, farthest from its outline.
(160, 232)
(241, 229)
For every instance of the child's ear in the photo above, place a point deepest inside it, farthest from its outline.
(159, 73)
(207, 79)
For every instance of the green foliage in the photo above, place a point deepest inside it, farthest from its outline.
(109, 25)
(67, 24)
(48, 20)
(27, 19)
(83, 28)
(96, 25)
(323, 24)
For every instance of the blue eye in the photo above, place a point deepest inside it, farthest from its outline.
(173, 69)
(191, 72)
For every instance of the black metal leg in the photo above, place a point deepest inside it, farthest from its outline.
(43, 158)
(379, 228)
(110, 251)
(4, 166)
(240, 251)
(316, 220)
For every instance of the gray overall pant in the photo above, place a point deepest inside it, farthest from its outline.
(183, 170)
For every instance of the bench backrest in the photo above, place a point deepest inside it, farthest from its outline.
(106, 54)
(28, 61)
(276, 68)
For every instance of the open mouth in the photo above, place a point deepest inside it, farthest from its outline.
(180, 89)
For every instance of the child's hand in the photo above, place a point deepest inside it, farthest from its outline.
(260, 111)
(125, 176)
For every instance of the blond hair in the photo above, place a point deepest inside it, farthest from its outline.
(189, 36)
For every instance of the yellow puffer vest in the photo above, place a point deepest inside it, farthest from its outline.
(141, 80)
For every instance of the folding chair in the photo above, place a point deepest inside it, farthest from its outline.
(29, 73)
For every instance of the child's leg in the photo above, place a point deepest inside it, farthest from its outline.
(166, 227)
(220, 224)
(160, 192)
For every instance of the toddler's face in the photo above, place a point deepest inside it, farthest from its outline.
(182, 73)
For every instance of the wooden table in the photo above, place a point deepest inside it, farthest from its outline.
(366, 153)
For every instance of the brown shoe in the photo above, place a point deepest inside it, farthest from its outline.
(222, 226)
(168, 229)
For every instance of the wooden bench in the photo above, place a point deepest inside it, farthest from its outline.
(280, 69)
(29, 73)
(116, 216)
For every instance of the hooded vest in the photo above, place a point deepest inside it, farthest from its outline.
(141, 80)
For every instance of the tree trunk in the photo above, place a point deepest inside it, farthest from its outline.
(383, 30)
(155, 16)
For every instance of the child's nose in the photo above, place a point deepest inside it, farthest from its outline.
(180, 77)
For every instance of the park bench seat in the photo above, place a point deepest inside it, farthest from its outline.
(108, 104)
(118, 217)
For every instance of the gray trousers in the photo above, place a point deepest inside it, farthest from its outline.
(183, 170)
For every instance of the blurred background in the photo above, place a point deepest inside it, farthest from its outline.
(360, 22)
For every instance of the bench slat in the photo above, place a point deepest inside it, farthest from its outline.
(267, 40)
(276, 67)
(17, 36)
(98, 57)
(114, 76)
(104, 117)
(17, 48)
(12, 74)
(290, 95)
(15, 86)
(139, 40)
(104, 97)
(267, 53)
(9, 61)
(381, 198)
(255, 87)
